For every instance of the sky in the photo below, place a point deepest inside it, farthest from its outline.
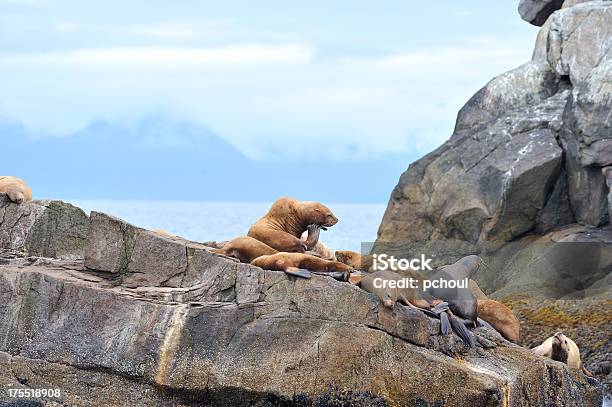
(294, 80)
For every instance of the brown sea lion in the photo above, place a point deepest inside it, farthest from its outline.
(389, 295)
(356, 260)
(245, 249)
(15, 188)
(562, 349)
(501, 318)
(293, 263)
(475, 289)
(282, 226)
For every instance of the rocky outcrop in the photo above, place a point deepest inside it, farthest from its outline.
(524, 180)
(528, 149)
(537, 11)
(154, 320)
(43, 228)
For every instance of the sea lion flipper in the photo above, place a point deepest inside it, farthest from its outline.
(461, 331)
(293, 271)
(445, 326)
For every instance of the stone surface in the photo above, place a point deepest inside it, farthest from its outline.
(43, 228)
(137, 257)
(579, 39)
(278, 340)
(487, 185)
(537, 12)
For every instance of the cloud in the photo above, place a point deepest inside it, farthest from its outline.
(158, 59)
(286, 94)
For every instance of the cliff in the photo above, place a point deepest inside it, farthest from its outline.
(524, 181)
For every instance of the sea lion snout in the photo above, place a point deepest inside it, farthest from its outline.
(330, 220)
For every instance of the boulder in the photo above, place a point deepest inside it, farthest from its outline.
(43, 228)
(483, 186)
(135, 257)
(579, 38)
(537, 12)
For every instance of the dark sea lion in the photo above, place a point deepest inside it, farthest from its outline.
(501, 318)
(245, 249)
(318, 248)
(295, 263)
(356, 260)
(562, 349)
(460, 299)
(282, 226)
(15, 188)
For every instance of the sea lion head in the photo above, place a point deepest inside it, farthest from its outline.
(319, 214)
(15, 194)
(348, 257)
(560, 348)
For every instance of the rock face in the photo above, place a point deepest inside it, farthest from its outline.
(155, 321)
(524, 180)
(43, 228)
(528, 149)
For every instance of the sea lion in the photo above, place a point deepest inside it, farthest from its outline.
(282, 226)
(245, 249)
(460, 300)
(390, 295)
(562, 349)
(356, 260)
(414, 298)
(475, 289)
(319, 248)
(501, 318)
(293, 263)
(16, 189)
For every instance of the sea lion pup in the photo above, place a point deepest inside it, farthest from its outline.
(295, 263)
(460, 300)
(501, 318)
(245, 249)
(16, 189)
(414, 298)
(356, 260)
(282, 226)
(562, 349)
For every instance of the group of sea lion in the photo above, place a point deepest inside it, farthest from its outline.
(286, 239)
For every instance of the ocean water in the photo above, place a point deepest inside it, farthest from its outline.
(219, 221)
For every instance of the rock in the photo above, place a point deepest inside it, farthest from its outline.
(487, 185)
(607, 173)
(137, 257)
(524, 86)
(579, 39)
(590, 117)
(43, 228)
(537, 12)
(279, 340)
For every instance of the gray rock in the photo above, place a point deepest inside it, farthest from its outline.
(61, 326)
(579, 39)
(590, 116)
(481, 186)
(43, 228)
(607, 173)
(537, 12)
(137, 257)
